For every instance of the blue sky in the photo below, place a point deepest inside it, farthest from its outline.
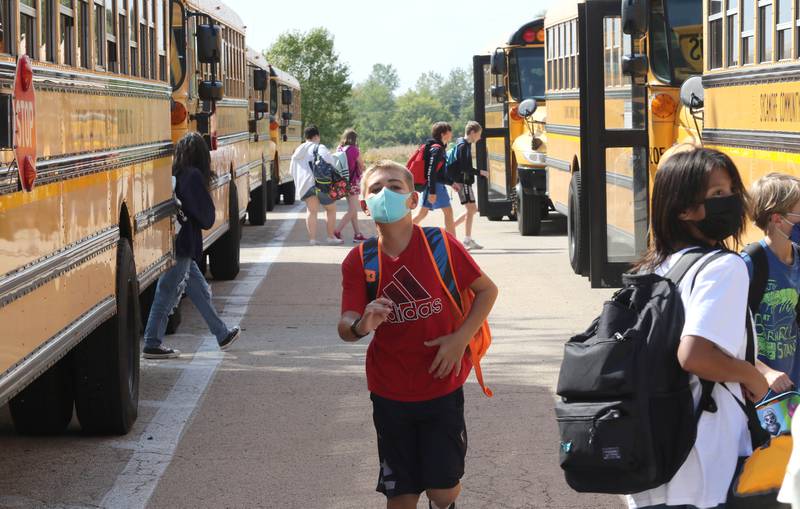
(412, 35)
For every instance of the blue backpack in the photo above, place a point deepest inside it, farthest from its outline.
(452, 171)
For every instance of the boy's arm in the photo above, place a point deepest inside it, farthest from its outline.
(465, 160)
(431, 173)
(353, 326)
(778, 380)
(452, 346)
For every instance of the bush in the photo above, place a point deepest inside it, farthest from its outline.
(398, 153)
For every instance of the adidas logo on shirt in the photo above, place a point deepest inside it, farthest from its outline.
(411, 300)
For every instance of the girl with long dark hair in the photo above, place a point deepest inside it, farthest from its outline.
(699, 202)
(191, 169)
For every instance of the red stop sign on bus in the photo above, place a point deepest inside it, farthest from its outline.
(24, 123)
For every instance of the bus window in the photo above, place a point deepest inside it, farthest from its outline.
(784, 17)
(177, 73)
(748, 33)
(122, 16)
(99, 35)
(46, 50)
(5, 26)
(765, 26)
(85, 32)
(111, 37)
(66, 19)
(676, 37)
(526, 73)
(161, 41)
(27, 27)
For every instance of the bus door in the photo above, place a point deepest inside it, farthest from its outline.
(614, 145)
(493, 150)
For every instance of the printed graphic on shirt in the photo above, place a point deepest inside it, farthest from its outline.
(411, 300)
(775, 323)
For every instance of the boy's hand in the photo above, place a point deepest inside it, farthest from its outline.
(757, 388)
(451, 350)
(778, 381)
(375, 314)
(456, 187)
(431, 199)
(485, 173)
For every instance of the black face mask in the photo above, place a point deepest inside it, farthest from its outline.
(723, 217)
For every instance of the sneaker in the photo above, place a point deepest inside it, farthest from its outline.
(334, 241)
(160, 352)
(338, 235)
(358, 238)
(471, 244)
(312, 242)
(232, 336)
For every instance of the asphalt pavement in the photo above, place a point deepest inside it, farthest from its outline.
(283, 419)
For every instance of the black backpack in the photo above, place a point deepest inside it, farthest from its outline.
(627, 418)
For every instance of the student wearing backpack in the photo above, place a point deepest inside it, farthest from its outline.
(459, 167)
(349, 148)
(774, 267)
(435, 195)
(699, 202)
(417, 360)
(304, 159)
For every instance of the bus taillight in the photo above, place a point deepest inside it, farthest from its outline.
(178, 113)
(531, 35)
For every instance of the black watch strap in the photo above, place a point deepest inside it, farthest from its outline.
(355, 331)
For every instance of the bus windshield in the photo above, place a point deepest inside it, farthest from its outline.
(526, 73)
(676, 39)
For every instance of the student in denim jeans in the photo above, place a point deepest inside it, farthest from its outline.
(192, 170)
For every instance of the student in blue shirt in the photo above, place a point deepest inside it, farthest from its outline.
(776, 210)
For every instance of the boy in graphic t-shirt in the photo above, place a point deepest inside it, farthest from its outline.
(416, 363)
(776, 210)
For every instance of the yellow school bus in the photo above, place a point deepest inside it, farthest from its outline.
(85, 205)
(509, 104)
(612, 86)
(210, 96)
(262, 148)
(286, 129)
(752, 103)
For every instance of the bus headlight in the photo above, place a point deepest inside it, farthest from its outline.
(534, 157)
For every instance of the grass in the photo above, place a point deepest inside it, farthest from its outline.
(399, 153)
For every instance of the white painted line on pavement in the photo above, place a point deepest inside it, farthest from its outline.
(154, 449)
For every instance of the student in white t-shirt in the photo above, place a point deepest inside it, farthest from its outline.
(699, 201)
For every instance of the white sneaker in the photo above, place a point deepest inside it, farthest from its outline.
(312, 242)
(471, 244)
(334, 241)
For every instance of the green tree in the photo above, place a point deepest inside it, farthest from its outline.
(416, 112)
(455, 93)
(311, 58)
(373, 106)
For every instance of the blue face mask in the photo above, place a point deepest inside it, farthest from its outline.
(794, 236)
(388, 206)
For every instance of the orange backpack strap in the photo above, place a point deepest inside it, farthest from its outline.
(439, 252)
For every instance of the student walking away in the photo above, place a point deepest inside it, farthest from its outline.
(435, 195)
(416, 362)
(462, 173)
(308, 162)
(774, 267)
(350, 158)
(191, 168)
(668, 425)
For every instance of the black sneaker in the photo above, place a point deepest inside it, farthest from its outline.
(451, 506)
(232, 336)
(160, 352)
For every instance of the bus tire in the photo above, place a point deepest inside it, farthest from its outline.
(577, 232)
(288, 190)
(270, 195)
(495, 218)
(529, 216)
(257, 208)
(223, 256)
(45, 406)
(106, 363)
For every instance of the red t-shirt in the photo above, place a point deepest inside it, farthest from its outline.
(397, 359)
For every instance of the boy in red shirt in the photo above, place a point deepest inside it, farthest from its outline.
(416, 363)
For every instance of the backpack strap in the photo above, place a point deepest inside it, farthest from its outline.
(370, 251)
(760, 276)
(439, 251)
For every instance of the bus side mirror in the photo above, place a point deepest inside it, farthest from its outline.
(209, 44)
(527, 108)
(499, 91)
(211, 90)
(286, 96)
(497, 62)
(260, 79)
(260, 108)
(635, 17)
(692, 93)
(635, 65)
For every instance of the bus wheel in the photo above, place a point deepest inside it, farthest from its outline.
(577, 233)
(257, 208)
(529, 216)
(106, 363)
(288, 190)
(495, 218)
(270, 195)
(45, 406)
(224, 254)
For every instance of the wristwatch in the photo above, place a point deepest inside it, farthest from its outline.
(355, 331)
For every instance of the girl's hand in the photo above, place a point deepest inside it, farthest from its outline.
(451, 350)
(778, 381)
(431, 199)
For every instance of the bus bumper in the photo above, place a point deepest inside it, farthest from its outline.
(533, 180)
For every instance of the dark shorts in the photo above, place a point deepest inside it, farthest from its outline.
(421, 445)
(466, 194)
(324, 198)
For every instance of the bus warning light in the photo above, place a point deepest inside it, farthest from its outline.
(663, 106)
(178, 113)
(529, 36)
(514, 114)
(24, 103)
